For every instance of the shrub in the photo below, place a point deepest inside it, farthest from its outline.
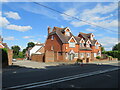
(4, 55)
(98, 57)
(79, 60)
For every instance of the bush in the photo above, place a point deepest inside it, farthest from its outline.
(20, 55)
(79, 60)
(4, 56)
(114, 54)
(98, 57)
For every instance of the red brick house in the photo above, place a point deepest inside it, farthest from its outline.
(63, 46)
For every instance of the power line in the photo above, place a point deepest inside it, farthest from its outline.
(70, 16)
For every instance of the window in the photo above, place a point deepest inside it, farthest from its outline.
(95, 55)
(87, 45)
(67, 33)
(99, 53)
(76, 55)
(66, 55)
(81, 44)
(97, 46)
(88, 54)
(81, 54)
(71, 44)
(52, 37)
(52, 48)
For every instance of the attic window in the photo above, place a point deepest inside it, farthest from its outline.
(67, 33)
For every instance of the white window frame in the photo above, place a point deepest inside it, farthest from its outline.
(67, 33)
(81, 55)
(76, 55)
(81, 44)
(88, 54)
(87, 45)
(97, 46)
(95, 55)
(72, 44)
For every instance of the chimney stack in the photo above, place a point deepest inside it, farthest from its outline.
(49, 29)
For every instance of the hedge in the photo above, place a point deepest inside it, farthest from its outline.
(4, 55)
(114, 54)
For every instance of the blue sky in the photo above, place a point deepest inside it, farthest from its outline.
(23, 22)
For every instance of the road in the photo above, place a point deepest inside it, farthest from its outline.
(76, 76)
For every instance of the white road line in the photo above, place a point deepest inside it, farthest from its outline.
(44, 83)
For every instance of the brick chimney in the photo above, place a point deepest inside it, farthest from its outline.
(1, 39)
(49, 29)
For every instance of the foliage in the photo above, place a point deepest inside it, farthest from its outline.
(102, 50)
(116, 47)
(24, 50)
(79, 60)
(98, 57)
(16, 50)
(114, 54)
(20, 55)
(4, 55)
(30, 44)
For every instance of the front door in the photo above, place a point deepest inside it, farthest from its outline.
(71, 56)
(87, 60)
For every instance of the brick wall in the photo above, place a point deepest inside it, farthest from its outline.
(10, 55)
(49, 56)
(37, 57)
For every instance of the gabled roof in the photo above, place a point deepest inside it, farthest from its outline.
(64, 39)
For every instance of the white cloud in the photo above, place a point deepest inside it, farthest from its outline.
(45, 36)
(3, 22)
(13, 15)
(90, 30)
(18, 28)
(98, 35)
(7, 25)
(99, 15)
(71, 12)
(26, 37)
(108, 42)
(10, 38)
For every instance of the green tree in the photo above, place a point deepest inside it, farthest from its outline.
(116, 47)
(30, 44)
(24, 50)
(16, 50)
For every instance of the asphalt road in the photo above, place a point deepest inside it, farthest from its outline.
(18, 77)
(105, 80)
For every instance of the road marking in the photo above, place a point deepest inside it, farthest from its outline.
(53, 81)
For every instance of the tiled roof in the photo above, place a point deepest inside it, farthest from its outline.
(65, 39)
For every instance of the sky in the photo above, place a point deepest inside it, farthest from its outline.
(23, 22)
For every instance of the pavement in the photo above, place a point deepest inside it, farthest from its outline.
(25, 75)
(27, 65)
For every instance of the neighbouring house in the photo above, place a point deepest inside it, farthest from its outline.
(35, 53)
(8, 55)
(62, 46)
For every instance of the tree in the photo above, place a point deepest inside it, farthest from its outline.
(15, 49)
(30, 44)
(24, 50)
(116, 47)
(102, 50)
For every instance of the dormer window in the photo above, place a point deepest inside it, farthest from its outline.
(67, 33)
(91, 36)
(87, 45)
(81, 44)
(52, 37)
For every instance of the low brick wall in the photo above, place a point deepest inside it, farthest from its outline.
(19, 58)
(37, 57)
